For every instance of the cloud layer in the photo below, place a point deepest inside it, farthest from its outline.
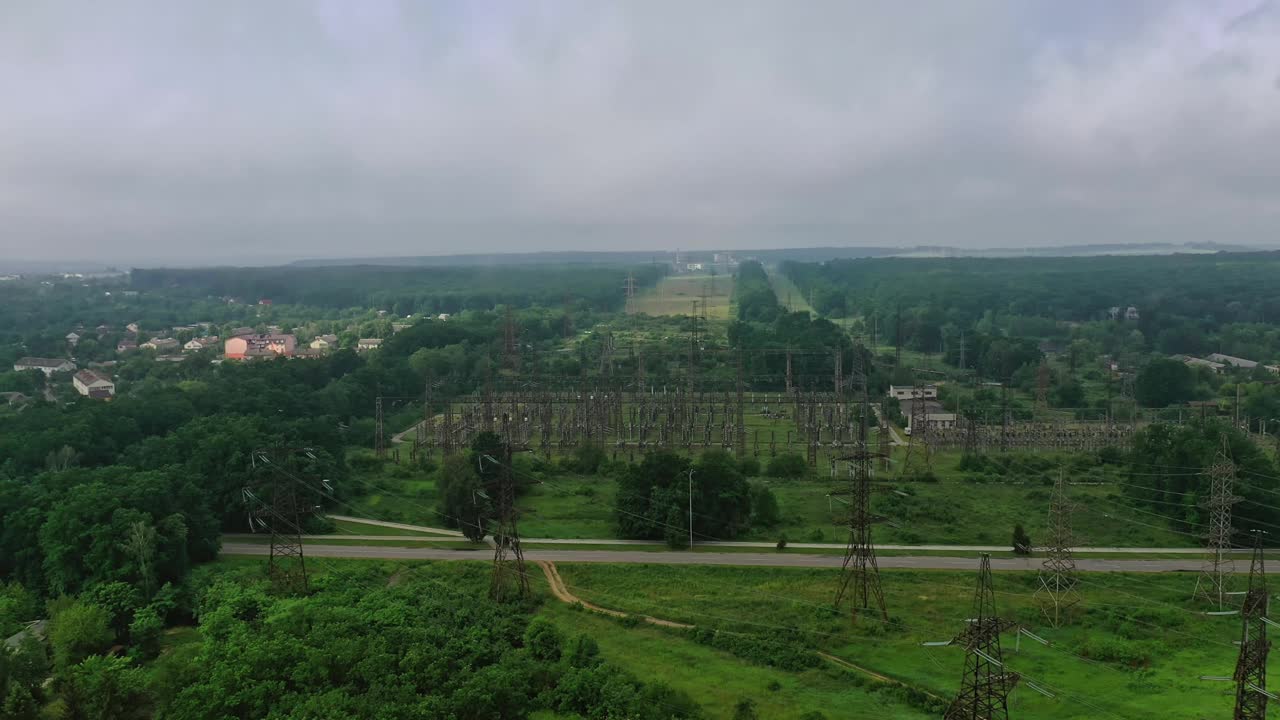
(188, 131)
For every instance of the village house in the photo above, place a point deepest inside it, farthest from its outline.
(201, 343)
(366, 344)
(160, 344)
(93, 384)
(133, 328)
(325, 342)
(126, 346)
(73, 338)
(259, 345)
(48, 366)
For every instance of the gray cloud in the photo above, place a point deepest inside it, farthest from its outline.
(187, 131)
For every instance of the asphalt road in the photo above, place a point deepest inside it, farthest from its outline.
(711, 558)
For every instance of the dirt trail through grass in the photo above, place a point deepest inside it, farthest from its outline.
(562, 593)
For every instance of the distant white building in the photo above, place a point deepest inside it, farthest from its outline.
(443, 316)
(907, 392)
(72, 338)
(367, 344)
(48, 366)
(1232, 361)
(93, 384)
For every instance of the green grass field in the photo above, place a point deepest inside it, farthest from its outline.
(675, 295)
(1137, 642)
(954, 510)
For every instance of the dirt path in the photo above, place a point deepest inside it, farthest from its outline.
(562, 593)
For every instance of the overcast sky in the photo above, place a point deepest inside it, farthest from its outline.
(173, 131)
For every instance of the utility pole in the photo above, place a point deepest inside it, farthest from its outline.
(962, 365)
(1251, 666)
(1216, 571)
(1057, 593)
(984, 690)
(379, 442)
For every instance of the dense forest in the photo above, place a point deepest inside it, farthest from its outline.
(1186, 303)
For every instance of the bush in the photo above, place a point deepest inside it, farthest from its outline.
(543, 640)
(749, 467)
(787, 466)
(1021, 541)
(764, 506)
(745, 709)
(782, 543)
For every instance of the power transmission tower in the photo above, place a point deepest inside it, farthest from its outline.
(630, 288)
(917, 457)
(281, 515)
(1057, 593)
(859, 568)
(1216, 571)
(567, 322)
(508, 558)
(510, 342)
(1251, 666)
(984, 690)
(1042, 386)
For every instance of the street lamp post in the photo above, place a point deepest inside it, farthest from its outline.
(690, 508)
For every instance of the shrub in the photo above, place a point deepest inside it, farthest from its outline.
(749, 466)
(782, 543)
(1021, 541)
(787, 466)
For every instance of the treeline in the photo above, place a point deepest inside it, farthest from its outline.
(430, 645)
(1186, 303)
(404, 291)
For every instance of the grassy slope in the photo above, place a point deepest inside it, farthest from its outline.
(717, 680)
(1144, 617)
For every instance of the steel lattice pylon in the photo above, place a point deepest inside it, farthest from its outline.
(859, 570)
(1251, 666)
(917, 456)
(283, 519)
(984, 691)
(508, 558)
(1215, 574)
(1057, 593)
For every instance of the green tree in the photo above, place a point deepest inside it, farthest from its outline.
(764, 507)
(103, 688)
(145, 632)
(78, 631)
(1164, 382)
(544, 640)
(464, 504)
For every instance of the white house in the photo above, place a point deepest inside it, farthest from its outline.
(907, 392)
(72, 338)
(201, 343)
(93, 384)
(443, 316)
(366, 344)
(48, 366)
(325, 342)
